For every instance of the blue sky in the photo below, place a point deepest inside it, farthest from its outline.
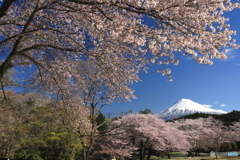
(217, 85)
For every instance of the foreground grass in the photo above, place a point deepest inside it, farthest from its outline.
(195, 158)
(179, 156)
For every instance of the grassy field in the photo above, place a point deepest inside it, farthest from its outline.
(179, 156)
(195, 158)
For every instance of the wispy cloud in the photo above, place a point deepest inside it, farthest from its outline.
(223, 105)
(216, 102)
(238, 64)
(207, 105)
(187, 58)
(231, 54)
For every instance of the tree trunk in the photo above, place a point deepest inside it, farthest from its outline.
(149, 153)
(162, 154)
(88, 148)
(190, 154)
(84, 154)
(168, 154)
(141, 152)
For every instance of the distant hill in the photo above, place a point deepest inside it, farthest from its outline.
(227, 119)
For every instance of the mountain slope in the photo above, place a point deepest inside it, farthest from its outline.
(186, 107)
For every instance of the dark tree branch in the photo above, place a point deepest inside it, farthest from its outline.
(3, 91)
(7, 64)
(5, 6)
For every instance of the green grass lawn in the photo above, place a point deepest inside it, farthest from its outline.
(194, 158)
(180, 156)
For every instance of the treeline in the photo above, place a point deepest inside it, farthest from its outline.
(227, 119)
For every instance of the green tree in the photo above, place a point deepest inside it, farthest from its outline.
(13, 113)
(101, 122)
(146, 111)
(226, 147)
(49, 137)
(238, 145)
(234, 146)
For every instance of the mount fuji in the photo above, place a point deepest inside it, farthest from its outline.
(186, 107)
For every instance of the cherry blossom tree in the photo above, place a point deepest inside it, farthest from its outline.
(219, 133)
(144, 133)
(114, 145)
(197, 133)
(135, 132)
(175, 140)
(234, 131)
(205, 133)
(56, 44)
(45, 37)
(92, 91)
(233, 134)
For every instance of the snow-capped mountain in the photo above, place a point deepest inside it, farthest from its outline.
(186, 107)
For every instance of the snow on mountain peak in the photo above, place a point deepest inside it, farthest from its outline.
(186, 107)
